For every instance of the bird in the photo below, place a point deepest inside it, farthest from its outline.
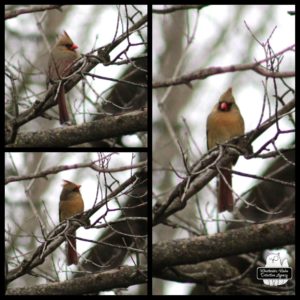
(70, 204)
(224, 123)
(60, 61)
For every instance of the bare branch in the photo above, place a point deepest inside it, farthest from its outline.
(255, 238)
(107, 127)
(14, 13)
(204, 73)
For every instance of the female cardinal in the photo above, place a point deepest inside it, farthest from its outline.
(70, 204)
(61, 58)
(224, 122)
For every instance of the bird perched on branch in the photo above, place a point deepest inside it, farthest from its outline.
(61, 58)
(223, 123)
(71, 204)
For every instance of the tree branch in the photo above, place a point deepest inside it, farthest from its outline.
(204, 73)
(195, 250)
(108, 127)
(117, 278)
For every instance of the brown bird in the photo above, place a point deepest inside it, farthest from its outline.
(223, 123)
(61, 58)
(70, 204)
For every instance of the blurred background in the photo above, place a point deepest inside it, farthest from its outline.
(29, 201)
(90, 27)
(187, 40)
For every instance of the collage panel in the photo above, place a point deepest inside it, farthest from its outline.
(76, 82)
(223, 147)
(76, 223)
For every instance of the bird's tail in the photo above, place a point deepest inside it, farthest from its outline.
(72, 257)
(225, 201)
